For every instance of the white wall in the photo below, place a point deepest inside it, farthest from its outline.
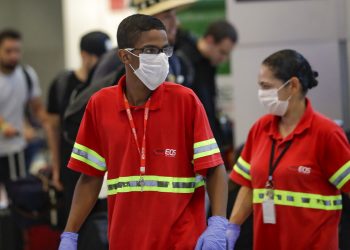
(40, 22)
(82, 16)
(312, 27)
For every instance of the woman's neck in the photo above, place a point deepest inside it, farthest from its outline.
(289, 121)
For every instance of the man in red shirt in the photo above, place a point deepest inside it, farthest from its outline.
(154, 140)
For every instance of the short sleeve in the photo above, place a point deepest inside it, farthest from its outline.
(206, 153)
(241, 172)
(36, 90)
(336, 159)
(52, 103)
(87, 156)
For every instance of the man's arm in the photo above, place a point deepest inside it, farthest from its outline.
(85, 196)
(40, 113)
(217, 190)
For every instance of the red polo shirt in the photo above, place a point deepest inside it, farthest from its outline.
(306, 182)
(168, 212)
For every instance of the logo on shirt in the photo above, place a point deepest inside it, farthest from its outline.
(168, 152)
(304, 170)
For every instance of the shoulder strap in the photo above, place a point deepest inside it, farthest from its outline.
(62, 83)
(188, 65)
(28, 81)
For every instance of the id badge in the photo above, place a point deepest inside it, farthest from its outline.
(269, 213)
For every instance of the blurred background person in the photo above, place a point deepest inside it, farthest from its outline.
(63, 89)
(19, 87)
(293, 166)
(245, 241)
(202, 57)
(19, 91)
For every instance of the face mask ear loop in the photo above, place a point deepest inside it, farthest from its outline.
(131, 67)
(285, 84)
(133, 55)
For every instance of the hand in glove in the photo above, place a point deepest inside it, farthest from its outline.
(69, 241)
(232, 234)
(214, 236)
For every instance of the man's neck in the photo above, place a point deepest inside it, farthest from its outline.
(136, 92)
(6, 71)
(81, 74)
(203, 47)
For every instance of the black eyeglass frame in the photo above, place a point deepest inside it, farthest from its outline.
(150, 50)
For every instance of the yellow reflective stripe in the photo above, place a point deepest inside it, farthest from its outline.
(207, 153)
(241, 172)
(204, 143)
(243, 163)
(297, 199)
(89, 151)
(154, 183)
(90, 163)
(148, 188)
(243, 168)
(151, 178)
(342, 176)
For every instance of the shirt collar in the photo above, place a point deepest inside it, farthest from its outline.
(304, 124)
(156, 96)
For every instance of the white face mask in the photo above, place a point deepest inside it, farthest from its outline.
(269, 99)
(153, 69)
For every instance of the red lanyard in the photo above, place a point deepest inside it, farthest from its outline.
(142, 150)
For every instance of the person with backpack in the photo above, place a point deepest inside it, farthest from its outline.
(19, 89)
(19, 92)
(64, 88)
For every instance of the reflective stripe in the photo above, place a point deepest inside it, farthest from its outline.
(154, 183)
(205, 148)
(342, 176)
(296, 199)
(243, 168)
(88, 156)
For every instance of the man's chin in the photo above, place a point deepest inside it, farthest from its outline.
(9, 67)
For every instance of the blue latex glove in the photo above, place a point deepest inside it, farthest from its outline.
(232, 234)
(69, 241)
(213, 238)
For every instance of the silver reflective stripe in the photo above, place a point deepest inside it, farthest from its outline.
(205, 148)
(297, 199)
(341, 177)
(154, 183)
(243, 168)
(89, 157)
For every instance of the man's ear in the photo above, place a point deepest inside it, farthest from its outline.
(124, 56)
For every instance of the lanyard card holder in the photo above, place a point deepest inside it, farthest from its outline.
(268, 208)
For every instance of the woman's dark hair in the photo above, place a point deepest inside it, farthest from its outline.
(288, 63)
(130, 29)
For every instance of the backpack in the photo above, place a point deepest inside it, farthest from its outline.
(76, 108)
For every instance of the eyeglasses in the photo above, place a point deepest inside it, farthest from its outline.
(167, 50)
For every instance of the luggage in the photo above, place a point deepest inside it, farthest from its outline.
(10, 233)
